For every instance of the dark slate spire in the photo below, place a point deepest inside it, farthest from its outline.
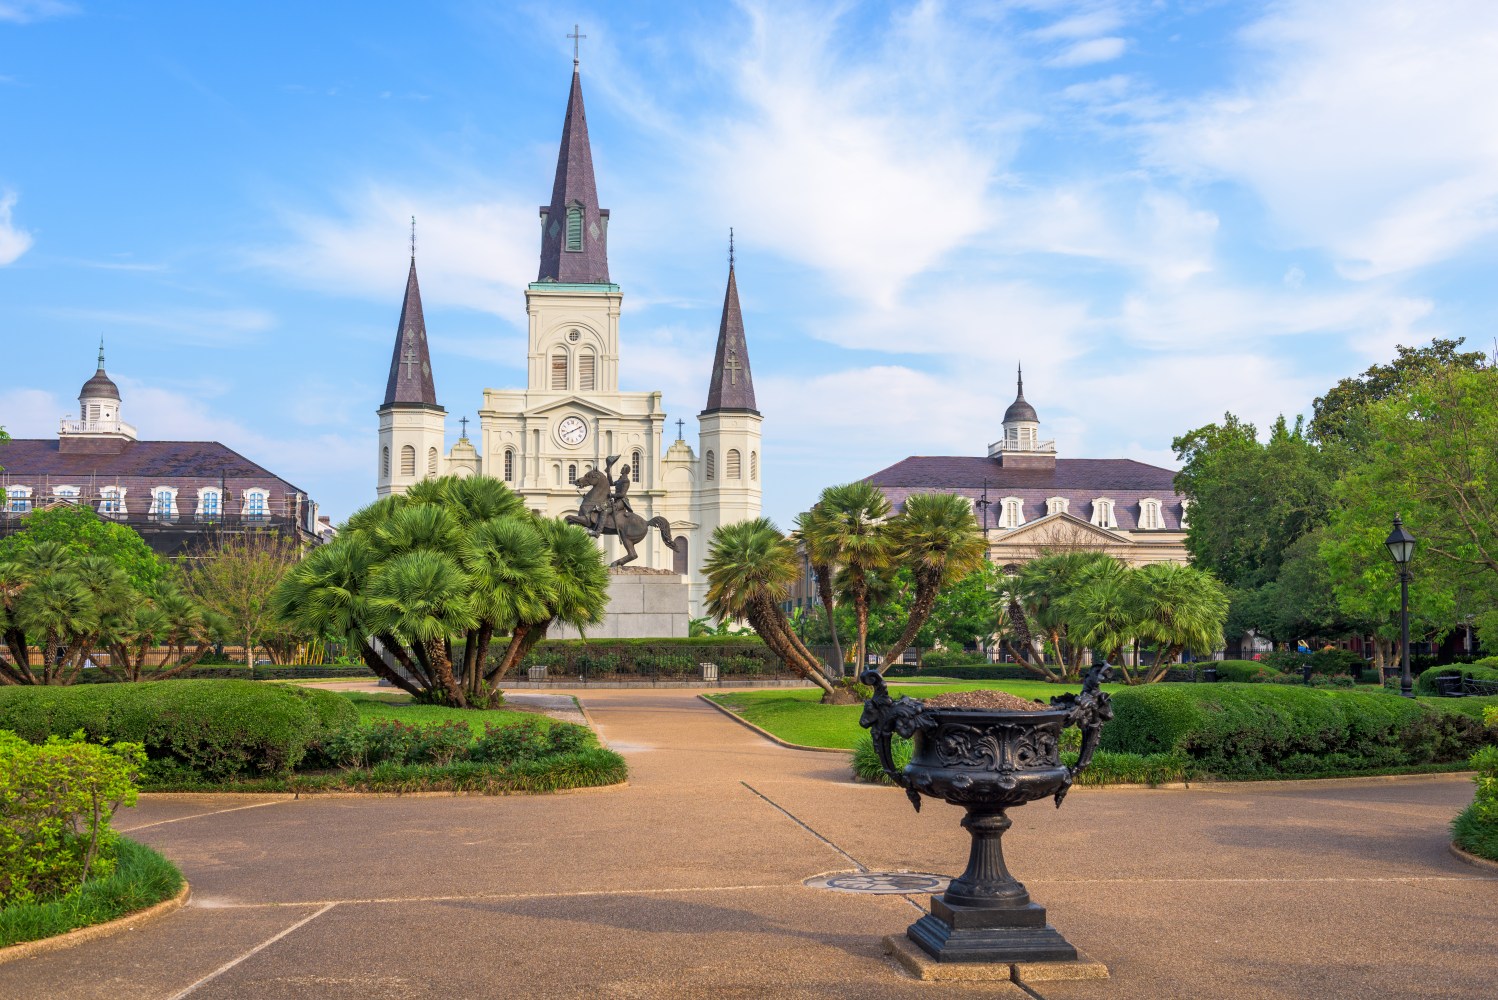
(732, 387)
(1021, 409)
(410, 382)
(575, 252)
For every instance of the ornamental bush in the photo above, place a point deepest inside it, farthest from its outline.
(56, 800)
(1483, 670)
(1260, 730)
(1475, 829)
(213, 730)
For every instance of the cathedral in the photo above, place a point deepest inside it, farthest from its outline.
(571, 416)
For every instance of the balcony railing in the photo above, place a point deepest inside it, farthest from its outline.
(116, 426)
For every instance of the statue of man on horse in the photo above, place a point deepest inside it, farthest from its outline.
(605, 510)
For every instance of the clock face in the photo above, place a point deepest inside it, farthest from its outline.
(572, 431)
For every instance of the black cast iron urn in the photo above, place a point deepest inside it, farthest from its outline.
(987, 761)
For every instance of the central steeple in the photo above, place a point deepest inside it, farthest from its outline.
(574, 230)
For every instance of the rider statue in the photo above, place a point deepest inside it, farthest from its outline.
(618, 500)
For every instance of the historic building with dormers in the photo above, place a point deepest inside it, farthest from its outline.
(571, 415)
(1029, 501)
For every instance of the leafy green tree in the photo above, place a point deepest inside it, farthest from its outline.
(1341, 415)
(750, 567)
(80, 531)
(234, 579)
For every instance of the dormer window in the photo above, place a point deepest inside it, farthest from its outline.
(69, 493)
(163, 503)
(1185, 513)
(1149, 515)
(112, 501)
(1102, 513)
(575, 228)
(1056, 505)
(256, 504)
(210, 503)
(18, 499)
(1011, 512)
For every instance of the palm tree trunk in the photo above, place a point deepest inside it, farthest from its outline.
(513, 652)
(805, 653)
(1161, 666)
(373, 661)
(769, 623)
(926, 590)
(442, 667)
(824, 591)
(861, 608)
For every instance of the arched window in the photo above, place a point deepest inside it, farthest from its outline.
(408, 460)
(209, 504)
(575, 228)
(572, 475)
(734, 468)
(1149, 515)
(1056, 505)
(1102, 513)
(163, 503)
(509, 465)
(385, 462)
(1011, 512)
(634, 467)
(679, 561)
(712, 467)
(754, 466)
(256, 504)
(431, 461)
(556, 473)
(19, 498)
(586, 365)
(559, 370)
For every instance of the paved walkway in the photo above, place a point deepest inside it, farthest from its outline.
(688, 883)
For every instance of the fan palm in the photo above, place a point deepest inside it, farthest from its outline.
(937, 538)
(1178, 607)
(508, 562)
(423, 598)
(847, 530)
(578, 592)
(750, 567)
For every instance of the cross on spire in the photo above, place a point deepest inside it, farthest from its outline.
(464, 422)
(679, 425)
(409, 360)
(730, 248)
(576, 37)
(732, 366)
(413, 239)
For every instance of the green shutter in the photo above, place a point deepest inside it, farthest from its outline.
(574, 229)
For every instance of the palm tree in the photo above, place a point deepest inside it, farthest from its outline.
(1102, 613)
(846, 533)
(578, 594)
(423, 598)
(1041, 587)
(812, 533)
(510, 566)
(1178, 607)
(750, 567)
(937, 538)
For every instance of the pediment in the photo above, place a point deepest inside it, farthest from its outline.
(572, 404)
(1061, 529)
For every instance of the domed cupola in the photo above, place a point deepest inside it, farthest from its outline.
(98, 414)
(1020, 411)
(1021, 446)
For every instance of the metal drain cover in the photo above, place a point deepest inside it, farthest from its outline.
(880, 883)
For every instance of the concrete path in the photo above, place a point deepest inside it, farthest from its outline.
(688, 883)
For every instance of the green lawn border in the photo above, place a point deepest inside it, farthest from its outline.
(766, 733)
(1476, 860)
(93, 932)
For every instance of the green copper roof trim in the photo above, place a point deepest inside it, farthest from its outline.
(563, 286)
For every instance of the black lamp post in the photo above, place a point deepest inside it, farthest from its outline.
(982, 504)
(1401, 545)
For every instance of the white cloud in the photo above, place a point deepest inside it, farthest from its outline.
(1366, 127)
(1088, 53)
(13, 241)
(30, 413)
(478, 253)
(1087, 24)
(185, 324)
(27, 11)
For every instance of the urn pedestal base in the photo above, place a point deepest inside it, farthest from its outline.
(952, 933)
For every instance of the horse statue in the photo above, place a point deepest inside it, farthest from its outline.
(630, 527)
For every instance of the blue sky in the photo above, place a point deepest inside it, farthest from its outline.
(1165, 210)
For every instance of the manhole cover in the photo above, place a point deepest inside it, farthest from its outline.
(883, 883)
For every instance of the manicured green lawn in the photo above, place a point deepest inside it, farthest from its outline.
(794, 715)
(399, 706)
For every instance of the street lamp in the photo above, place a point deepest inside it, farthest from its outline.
(1401, 545)
(983, 504)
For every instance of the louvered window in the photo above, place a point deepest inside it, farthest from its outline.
(574, 229)
(585, 366)
(754, 466)
(734, 463)
(559, 370)
(634, 468)
(385, 462)
(408, 460)
(712, 467)
(431, 461)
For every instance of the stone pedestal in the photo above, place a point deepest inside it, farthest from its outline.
(643, 604)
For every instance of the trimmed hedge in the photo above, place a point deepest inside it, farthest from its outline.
(739, 656)
(216, 730)
(1483, 670)
(1475, 829)
(1256, 730)
(240, 672)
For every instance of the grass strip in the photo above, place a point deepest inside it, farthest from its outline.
(400, 706)
(142, 878)
(1475, 836)
(588, 768)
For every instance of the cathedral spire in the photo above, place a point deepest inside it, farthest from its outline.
(410, 382)
(732, 386)
(574, 230)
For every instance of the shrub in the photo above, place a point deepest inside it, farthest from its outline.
(440, 742)
(866, 764)
(1483, 670)
(1239, 730)
(565, 737)
(1243, 671)
(517, 741)
(952, 658)
(56, 800)
(213, 729)
(1475, 829)
(389, 740)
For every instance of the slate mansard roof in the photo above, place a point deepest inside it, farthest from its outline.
(139, 466)
(1079, 480)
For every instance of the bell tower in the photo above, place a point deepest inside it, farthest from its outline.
(412, 424)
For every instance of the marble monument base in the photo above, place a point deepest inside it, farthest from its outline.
(643, 604)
